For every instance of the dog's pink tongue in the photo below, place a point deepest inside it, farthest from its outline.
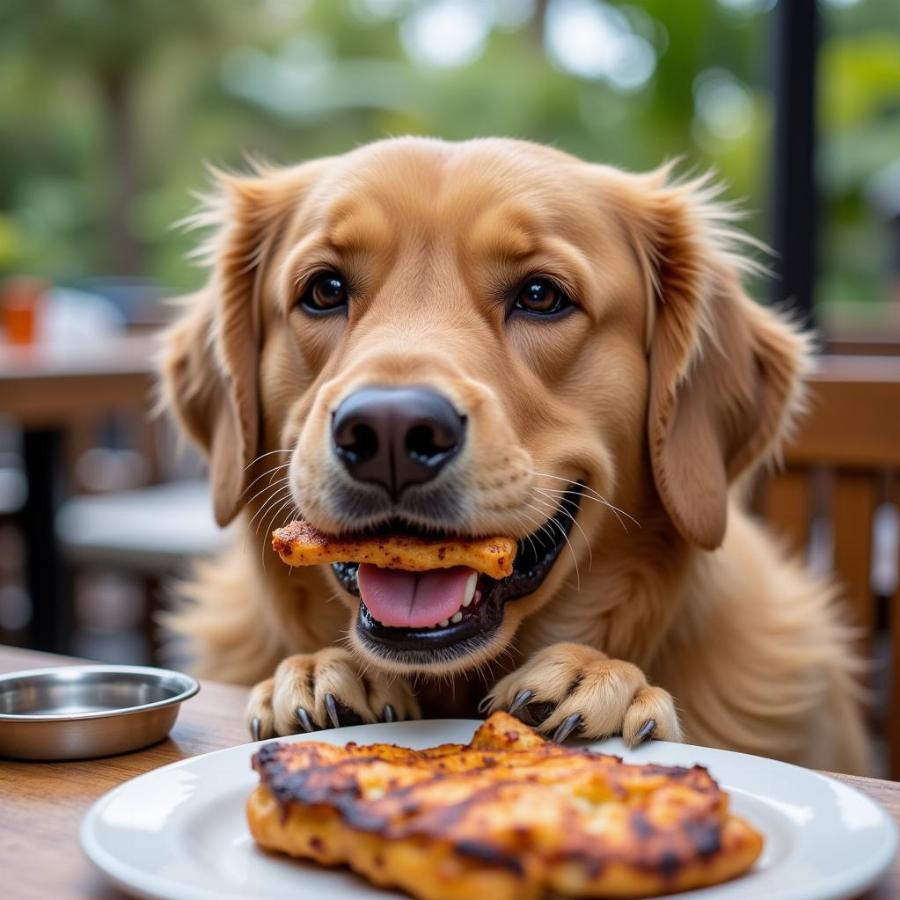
(412, 599)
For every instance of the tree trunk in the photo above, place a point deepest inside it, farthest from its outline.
(123, 252)
(538, 23)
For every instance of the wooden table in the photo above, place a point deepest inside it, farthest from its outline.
(42, 804)
(45, 388)
(49, 385)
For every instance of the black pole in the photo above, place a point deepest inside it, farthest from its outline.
(794, 201)
(51, 614)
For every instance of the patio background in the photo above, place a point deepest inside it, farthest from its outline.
(108, 110)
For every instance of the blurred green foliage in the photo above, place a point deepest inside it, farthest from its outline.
(108, 108)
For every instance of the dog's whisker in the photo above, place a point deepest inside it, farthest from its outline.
(263, 557)
(263, 475)
(283, 500)
(278, 494)
(544, 528)
(589, 493)
(575, 522)
(562, 532)
(276, 488)
(594, 498)
(531, 521)
(534, 524)
(574, 485)
(553, 523)
(275, 481)
(586, 488)
(569, 515)
(253, 462)
(290, 507)
(268, 486)
(270, 501)
(619, 518)
(275, 515)
(617, 512)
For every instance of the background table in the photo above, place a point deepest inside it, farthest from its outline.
(41, 804)
(45, 388)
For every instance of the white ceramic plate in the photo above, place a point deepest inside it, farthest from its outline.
(179, 833)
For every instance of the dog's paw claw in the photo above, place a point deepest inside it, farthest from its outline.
(388, 714)
(255, 729)
(644, 733)
(331, 709)
(304, 720)
(566, 727)
(569, 687)
(339, 714)
(536, 714)
(520, 700)
(326, 689)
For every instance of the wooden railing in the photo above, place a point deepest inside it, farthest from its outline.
(843, 462)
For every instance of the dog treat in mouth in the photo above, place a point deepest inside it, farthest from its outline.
(508, 816)
(300, 544)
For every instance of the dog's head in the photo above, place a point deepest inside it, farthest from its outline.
(487, 338)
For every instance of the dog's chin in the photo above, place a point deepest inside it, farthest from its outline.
(479, 630)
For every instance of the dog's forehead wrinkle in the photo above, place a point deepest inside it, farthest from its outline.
(429, 184)
(503, 230)
(354, 224)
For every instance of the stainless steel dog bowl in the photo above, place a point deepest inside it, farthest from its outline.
(78, 712)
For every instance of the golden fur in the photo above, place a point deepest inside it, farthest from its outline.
(664, 392)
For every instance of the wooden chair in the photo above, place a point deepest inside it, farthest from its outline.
(842, 464)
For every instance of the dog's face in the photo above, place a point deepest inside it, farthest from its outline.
(490, 338)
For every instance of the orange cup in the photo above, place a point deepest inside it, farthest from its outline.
(20, 307)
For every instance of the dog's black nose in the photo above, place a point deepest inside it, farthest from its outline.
(396, 437)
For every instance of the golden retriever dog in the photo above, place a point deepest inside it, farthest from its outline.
(496, 338)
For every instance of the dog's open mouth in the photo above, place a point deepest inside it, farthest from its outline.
(466, 606)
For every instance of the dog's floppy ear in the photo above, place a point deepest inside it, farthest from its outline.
(210, 357)
(724, 371)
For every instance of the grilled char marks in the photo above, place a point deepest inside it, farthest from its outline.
(508, 792)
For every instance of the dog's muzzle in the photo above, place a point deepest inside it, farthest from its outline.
(482, 605)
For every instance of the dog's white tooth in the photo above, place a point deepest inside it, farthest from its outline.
(456, 617)
(444, 623)
(469, 592)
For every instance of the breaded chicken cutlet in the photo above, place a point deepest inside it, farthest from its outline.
(300, 544)
(509, 816)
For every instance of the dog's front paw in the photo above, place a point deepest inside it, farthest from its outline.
(327, 689)
(570, 688)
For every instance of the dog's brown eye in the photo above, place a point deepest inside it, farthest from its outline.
(541, 297)
(326, 292)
